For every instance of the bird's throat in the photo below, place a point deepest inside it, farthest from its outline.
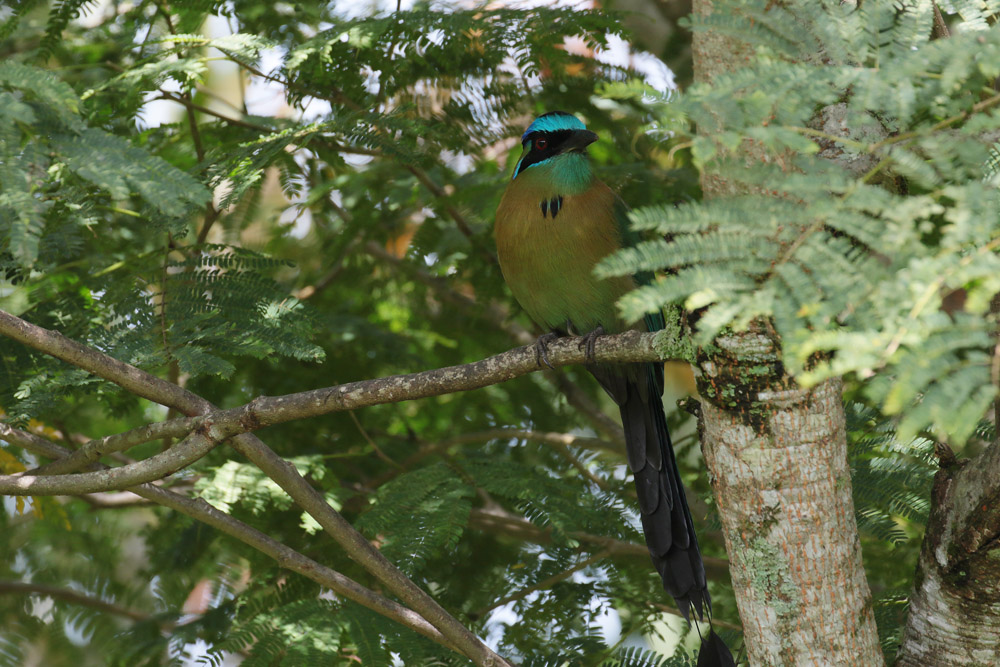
(566, 174)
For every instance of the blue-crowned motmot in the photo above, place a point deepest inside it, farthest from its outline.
(556, 220)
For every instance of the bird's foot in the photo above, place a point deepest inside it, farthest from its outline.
(589, 340)
(542, 348)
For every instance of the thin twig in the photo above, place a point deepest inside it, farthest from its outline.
(237, 122)
(951, 120)
(542, 585)
(336, 268)
(173, 367)
(162, 309)
(929, 293)
(576, 397)
(211, 213)
(229, 120)
(580, 467)
(165, 12)
(371, 443)
(427, 448)
(438, 191)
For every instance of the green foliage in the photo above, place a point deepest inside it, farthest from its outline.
(232, 249)
(418, 515)
(51, 94)
(554, 504)
(112, 165)
(637, 657)
(51, 162)
(243, 249)
(296, 632)
(57, 551)
(60, 14)
(235, 483)
(200, 313)
(849, 241)
(626, 657)
(892, 482)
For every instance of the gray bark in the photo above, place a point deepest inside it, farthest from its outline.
(954, 616)
(777, 456)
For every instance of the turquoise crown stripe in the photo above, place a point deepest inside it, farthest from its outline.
(554, 121)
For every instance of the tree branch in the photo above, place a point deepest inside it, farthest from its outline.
(940, 30)
(10, 587)
(284, 555)
(161, 465)
(33, 443)
(128, 377)
(114, 500)
(284, 474)
(628, 347)
(94, 449)
(266, 411)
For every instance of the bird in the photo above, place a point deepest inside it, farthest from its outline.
(556, 220)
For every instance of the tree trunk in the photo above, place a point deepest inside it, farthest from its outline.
(954, 616)
(777, 455)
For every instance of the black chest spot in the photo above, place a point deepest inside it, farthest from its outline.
(552, 206)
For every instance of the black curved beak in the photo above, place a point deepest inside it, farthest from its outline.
(578, 141)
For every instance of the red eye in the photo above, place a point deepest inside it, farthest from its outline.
(541, 144)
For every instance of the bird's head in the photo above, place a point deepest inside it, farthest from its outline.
(551, 136)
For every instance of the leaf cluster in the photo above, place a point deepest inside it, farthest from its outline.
(860, 211)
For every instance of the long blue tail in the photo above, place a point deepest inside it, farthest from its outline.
(666, 519)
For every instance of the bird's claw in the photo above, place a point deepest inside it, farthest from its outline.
(588, 341)
(542, 349)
